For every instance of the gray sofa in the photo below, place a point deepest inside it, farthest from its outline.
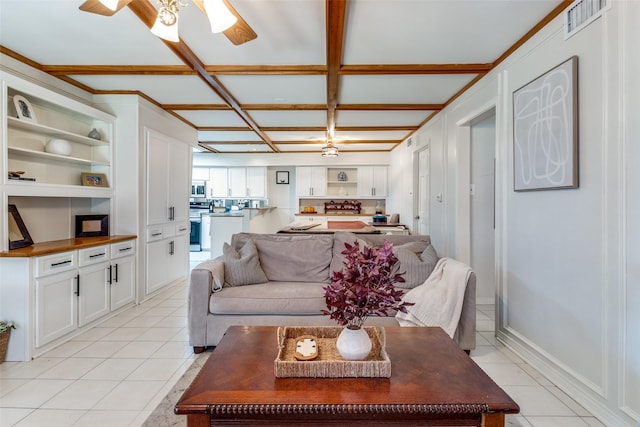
(278, 279)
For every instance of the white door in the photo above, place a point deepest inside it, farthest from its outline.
(93, 293)
(422, 218)
(482, 203)
(56, 307)
(318, 181)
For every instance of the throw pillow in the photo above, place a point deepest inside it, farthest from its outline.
(242, 267)
(416, 267)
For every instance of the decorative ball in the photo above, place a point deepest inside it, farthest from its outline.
(58, 146)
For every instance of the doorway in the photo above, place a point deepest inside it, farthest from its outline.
(482, 205)
(422, 217)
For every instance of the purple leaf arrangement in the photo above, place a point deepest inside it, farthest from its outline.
(365, 286)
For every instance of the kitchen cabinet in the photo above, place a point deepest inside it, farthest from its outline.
(311, 181)
(219, 186)
(372, 181)
(238, 182)
(256, 182)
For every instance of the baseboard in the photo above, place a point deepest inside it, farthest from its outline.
(564, 381)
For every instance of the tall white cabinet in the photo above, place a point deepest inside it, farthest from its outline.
(154, 204)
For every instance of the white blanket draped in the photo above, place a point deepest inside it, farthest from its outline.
(438, 301)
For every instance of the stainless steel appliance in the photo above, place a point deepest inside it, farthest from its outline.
(196, 209)
(199, 189)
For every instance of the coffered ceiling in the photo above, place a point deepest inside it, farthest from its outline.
(367, 72)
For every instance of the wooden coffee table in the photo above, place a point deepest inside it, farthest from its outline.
(433, 382)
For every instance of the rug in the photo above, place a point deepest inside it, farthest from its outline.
(163, 415)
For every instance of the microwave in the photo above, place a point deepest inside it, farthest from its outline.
(199, 189)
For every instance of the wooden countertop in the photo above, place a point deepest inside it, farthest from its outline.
(55, 246)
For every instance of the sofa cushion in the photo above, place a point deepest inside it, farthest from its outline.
(242, 267)
(273, 298)
(416, 266)
(286, 258)
(339, 239)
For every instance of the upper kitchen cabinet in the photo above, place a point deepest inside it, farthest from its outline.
(256, 182)
(311, 181)
(53, 140)
(372, 181)
(238, 182)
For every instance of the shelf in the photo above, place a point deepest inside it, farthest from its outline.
(45, 155)
(36, 189)
(53, 132)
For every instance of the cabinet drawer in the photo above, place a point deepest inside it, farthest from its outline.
(93, 255)
(56, 263)
(183, 228)
(119, 250)
(155, 233)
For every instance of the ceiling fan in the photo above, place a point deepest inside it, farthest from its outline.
(223, 17)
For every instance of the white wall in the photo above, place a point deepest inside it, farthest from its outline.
(568, 261)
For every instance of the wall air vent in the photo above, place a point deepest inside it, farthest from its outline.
(410, 141)
(581, 13)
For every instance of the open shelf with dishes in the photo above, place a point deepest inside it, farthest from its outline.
(52, 139)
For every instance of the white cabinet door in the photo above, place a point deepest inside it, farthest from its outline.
(156, 262)
(311, 181)
(219, 186)
(168, 184)
(56, 307)
(238, 182)
(93, 293)
(256, 182)
(123, 279)
(200, 174)
(158, 205)
(179, 180)
(372, 181)
(178, 261)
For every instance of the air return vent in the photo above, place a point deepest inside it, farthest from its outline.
(410, 141)
(581, 13)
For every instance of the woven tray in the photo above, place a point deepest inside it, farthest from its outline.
(329, 363)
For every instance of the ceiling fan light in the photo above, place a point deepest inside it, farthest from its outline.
(330, 150)
(220, 17)
(164, 31)
(111, 4)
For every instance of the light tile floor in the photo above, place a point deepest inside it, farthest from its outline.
(116, 373)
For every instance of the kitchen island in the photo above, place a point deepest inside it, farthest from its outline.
(328, 227)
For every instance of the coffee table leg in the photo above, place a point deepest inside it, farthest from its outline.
(493, 420)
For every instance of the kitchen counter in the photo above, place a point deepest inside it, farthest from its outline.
(329, 227)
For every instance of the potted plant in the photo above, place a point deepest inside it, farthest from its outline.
(364, 287)
(5, 332)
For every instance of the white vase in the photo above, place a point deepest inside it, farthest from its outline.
(353, 343)
(58, 146)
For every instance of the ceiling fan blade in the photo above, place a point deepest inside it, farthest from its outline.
(240, 32)
(95, 6)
